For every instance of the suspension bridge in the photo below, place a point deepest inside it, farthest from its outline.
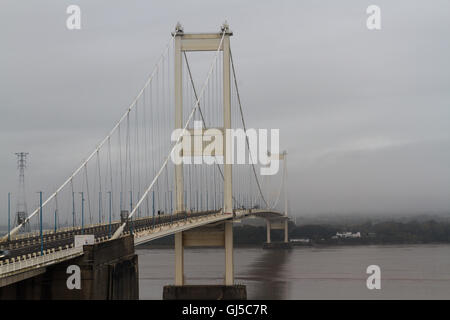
(130, 188)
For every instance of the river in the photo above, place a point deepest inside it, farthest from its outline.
(407, 271)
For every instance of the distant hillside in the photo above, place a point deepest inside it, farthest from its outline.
(386, 232)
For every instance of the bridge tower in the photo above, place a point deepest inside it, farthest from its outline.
(278, 223)
(285, 191)
(185, 42)
(21, 209)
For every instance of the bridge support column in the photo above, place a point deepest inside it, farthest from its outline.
(229, 251)
(179, 178)
(215, 235)
(179, 259)
(219, 234)
(227, 154)
(286, 234)
(277, 224)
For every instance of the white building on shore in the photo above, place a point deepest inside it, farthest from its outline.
(347, 235)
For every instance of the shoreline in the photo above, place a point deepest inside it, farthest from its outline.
(331, 245)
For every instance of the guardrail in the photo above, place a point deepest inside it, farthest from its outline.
(34, 260)
(54, 255)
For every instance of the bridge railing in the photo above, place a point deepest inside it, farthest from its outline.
(31, 261)
(50, 256)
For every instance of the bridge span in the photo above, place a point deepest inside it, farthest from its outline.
(133, 171)
(203, 229)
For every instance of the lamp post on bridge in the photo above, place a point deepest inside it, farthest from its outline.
(153, 208)
(9, 216)
(131, 210)
(100, 207)
(110, 209)
(82, 212)
(56, 211)
(73, 209)
(40, 223)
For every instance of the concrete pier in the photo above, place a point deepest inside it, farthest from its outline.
(281, 224)
(205, 292)
(217, 235)
(277, 245)
(108, 270)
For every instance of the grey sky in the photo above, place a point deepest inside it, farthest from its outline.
(364, 115)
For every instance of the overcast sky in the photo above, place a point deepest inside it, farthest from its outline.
(364, 115)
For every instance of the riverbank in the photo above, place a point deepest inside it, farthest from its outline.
(369, 233)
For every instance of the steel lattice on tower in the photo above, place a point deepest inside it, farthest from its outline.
(21, 209)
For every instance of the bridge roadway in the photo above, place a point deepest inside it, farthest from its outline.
(146, 229)
(26, 259)
(31, 243)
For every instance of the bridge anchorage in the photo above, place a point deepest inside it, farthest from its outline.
(132, 193)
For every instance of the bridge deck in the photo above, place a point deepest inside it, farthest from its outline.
(59, 246)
